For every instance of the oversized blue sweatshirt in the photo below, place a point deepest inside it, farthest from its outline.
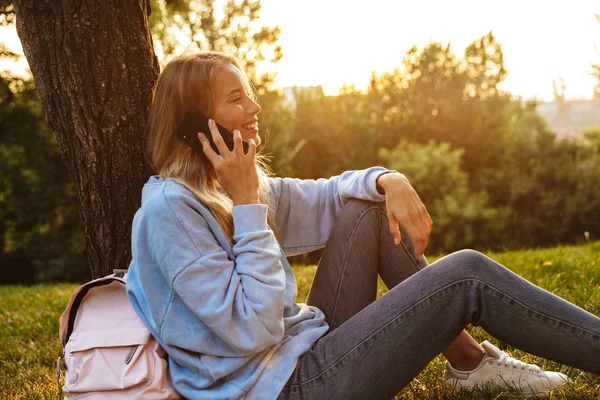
(226, 314)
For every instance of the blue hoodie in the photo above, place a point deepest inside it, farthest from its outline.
(226, 314)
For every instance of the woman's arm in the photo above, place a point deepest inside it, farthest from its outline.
(305, 210)
(241, 301)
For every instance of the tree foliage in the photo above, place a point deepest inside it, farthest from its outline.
(596, 72)
(40, 234)
(7, 12)
(489, 169)
(234, 29)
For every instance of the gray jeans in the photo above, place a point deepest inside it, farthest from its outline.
(376, 347)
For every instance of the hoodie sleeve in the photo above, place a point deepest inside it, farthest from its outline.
(241, 301)
(305, 210)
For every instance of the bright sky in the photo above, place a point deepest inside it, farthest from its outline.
(329, 42)
(332, 42)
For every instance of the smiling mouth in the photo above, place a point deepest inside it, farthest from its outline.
(251, 127)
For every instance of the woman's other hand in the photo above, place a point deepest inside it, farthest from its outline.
(236, 171)
(404, 206)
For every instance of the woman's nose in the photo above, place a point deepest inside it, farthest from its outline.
(254, 108)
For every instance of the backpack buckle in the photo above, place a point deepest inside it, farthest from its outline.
(60, 364)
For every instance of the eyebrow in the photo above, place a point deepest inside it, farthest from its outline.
(233, 91)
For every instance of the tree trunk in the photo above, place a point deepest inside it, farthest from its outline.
(94, 67)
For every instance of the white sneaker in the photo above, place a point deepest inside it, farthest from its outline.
(501, 370)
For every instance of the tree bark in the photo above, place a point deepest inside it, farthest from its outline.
(94, 66)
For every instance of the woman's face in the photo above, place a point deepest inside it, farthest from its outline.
(232, 107)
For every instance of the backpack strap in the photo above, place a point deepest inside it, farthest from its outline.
(119, 273)
(81, 295)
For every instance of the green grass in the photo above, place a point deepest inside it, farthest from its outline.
(29, 327)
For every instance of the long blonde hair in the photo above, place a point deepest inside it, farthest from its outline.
(185, 83)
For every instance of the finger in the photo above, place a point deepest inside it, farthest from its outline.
(414, 236)
(427, 230)
(394, 229)
(238, 148)
(251, 149)
(425, 244)
(217, 138)
(208, 151)
(421, 242)
(418, 254)
(427, 225)
(428, 218)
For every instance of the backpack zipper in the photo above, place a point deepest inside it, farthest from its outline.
(130, 354)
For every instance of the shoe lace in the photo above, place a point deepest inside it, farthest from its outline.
(507, 361)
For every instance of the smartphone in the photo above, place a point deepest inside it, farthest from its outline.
(195, 122)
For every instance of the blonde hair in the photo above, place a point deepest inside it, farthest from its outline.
(185, 83)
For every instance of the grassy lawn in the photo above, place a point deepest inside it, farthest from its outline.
(29, 319)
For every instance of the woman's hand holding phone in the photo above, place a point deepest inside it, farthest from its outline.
(236, 171)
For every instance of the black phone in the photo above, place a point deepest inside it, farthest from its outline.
(195, 122)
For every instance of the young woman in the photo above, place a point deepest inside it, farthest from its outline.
(209, 275)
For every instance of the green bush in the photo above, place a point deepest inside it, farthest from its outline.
(462, 218)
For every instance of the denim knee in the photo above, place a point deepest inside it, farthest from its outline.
(355, 208)
(470, 263)
(359, 205)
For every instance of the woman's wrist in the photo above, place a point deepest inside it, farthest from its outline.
(249, 218)
(246, 200)
(384, 179)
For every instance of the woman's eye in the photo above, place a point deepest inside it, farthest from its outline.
(236, 99)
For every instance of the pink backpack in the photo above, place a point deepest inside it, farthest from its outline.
(108, 352)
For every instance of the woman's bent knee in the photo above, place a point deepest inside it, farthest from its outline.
(471, 256)
(471, 262)
(358, 205)
(355, 208)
